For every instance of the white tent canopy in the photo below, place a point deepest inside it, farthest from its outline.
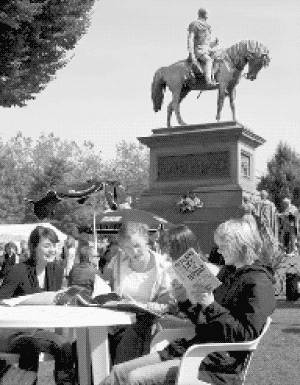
(19, 232)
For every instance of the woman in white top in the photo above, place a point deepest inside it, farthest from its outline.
(139, 273)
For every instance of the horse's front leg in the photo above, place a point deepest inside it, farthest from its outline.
(221, 97)
(169, 114)
(232, 94)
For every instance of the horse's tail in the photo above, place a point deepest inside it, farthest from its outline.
(157, 89)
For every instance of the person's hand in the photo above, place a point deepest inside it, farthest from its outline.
(113, 329)
(157, 308)
(179, 291)
(196, 63)
(169, 321)
(214, 43)
(205, 298)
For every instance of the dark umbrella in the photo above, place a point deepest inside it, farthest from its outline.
(81, 191)
(45, 207)
(111, 221)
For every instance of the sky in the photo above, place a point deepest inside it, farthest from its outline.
(103, 94)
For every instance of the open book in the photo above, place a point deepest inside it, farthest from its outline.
(67, 296)
(130, 305)
(194, 274)
(115, 302)
(78, 296)
(43, 298)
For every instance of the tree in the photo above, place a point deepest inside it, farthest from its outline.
(15, 180)
(43, 180)
(34, 39)
(28, 169)
(56, 163)
(131, 168)
(283, 176)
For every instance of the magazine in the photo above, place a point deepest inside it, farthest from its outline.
(194, 274)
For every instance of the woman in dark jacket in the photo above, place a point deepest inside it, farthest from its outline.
(23, 278)
(39, 273)
(236, 312)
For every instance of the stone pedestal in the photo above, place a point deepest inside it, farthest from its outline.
(215, 161)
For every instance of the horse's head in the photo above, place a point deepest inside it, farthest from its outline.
(255, 64)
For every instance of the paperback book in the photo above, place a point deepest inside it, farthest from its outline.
(194, 274)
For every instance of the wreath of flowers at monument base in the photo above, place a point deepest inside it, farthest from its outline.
(189, 202)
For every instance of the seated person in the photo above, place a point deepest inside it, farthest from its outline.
(40, 272)
(10, 256)
(137, 272)
(178, 239)
(245, 300)
(84, 273)
(111, 250)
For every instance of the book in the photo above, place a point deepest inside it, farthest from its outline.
(61, 297)
(130, 305)
(194, 274)
(113, 301)
(99, 300)
(78, 296)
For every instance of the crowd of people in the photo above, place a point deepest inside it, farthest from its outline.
(283, 225)
(10, 254)
(135, 264)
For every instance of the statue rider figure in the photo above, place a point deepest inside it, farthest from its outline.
(200, 46)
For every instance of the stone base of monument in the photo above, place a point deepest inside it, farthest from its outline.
(198, 174)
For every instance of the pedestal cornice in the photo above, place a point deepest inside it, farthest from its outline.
(209, 132)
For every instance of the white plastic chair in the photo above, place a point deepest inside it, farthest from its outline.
(191, 360)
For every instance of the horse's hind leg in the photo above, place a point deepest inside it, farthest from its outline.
(232, 94)
(183, 93)
(221, 97)
(175, 105)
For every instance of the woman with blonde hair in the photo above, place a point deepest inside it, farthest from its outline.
(245, 299)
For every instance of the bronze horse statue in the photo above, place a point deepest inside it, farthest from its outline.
(181, 78)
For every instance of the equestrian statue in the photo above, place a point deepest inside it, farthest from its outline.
(207, 68)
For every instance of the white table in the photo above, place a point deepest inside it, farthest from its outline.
(91, 325)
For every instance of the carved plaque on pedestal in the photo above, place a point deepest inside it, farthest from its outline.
(245, 165)
(210, 165)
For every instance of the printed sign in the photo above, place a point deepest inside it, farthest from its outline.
(111, 219)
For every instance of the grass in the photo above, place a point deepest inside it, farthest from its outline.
(275, 362)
